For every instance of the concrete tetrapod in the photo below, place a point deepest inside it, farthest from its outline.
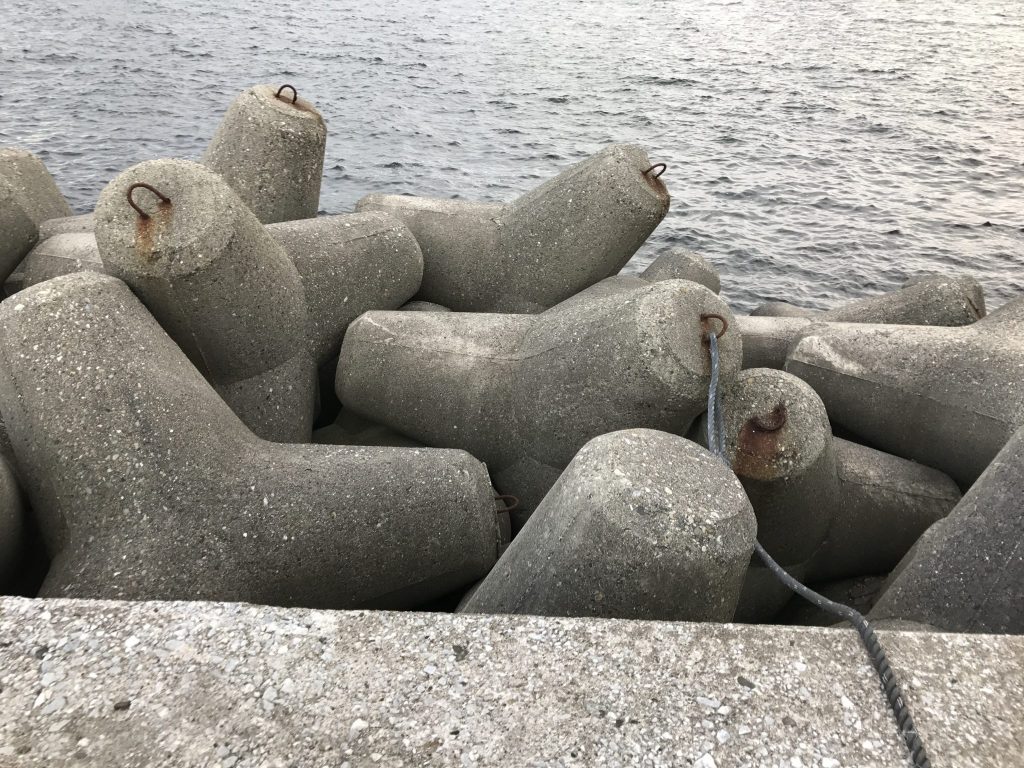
(641, 525)
(524, 393)
(966, 573)
(28, 197)
(67, 225)
(947, 397)
(677, 264)
(927, 300)
(146, 486)
(220, 286)
(348, 264)
(885, 504)
(779, 444)
(578, 228)
(826, 508)
(270, 149)
(683, 264)
(769, 332)
(54, 256)
(33, 185)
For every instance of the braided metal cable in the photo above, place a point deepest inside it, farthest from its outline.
(890, 685)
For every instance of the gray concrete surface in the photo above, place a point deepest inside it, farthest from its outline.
(20, 232)
(641, 525)
(65, 225)
(766, 340)
(57, 255)
(220, 285)
(779, 444)
(28, 196)
(33, 184)
(947, 397)
(524, 393)
(146, 486)
(683, 264)
(351, 429)
(423, 306)
(945, 300)
(12, 523)
(348, 264)
(885, 504)
(271, 152)
(570, 232)
(966, 573)
(135, 685)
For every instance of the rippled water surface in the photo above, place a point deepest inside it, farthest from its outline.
(816, 148)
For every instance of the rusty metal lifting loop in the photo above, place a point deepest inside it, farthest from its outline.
(770, 422)
(295, 94)
(511, 502)
(140, 185)
(707, 329)
(657, 165)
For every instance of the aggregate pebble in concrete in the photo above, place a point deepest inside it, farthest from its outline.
(99, 684)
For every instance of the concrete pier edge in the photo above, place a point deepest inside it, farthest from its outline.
(99, 683)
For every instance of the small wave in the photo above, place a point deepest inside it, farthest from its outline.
(655, 80)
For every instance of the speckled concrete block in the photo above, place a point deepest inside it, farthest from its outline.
(135, 685)
(28, 196)
(683, 264)
(54, 256)
(779, 444)
(270, 150)
(146, 486)
(641, 525)
(67, 225)
(766, 340)
(966, 574)
(423, 306)
(947, 397)
(349, 264)
(576, 229)
(826, 508)
(12, 523)
(524, 393)
(944, 300)
(885, 504)
(19, 231)
(781, 309)
(221, 287)
(33, 185)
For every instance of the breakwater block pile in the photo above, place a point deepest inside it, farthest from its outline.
(210, 395)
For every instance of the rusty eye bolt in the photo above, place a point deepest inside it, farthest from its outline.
(295, 94)
(154, 190)
(662, 166)
(706, 327)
